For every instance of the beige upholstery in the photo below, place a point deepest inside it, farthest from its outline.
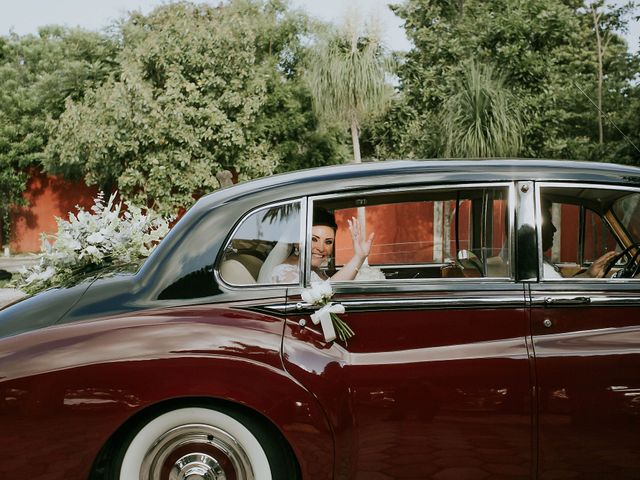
(252, 263)
(235, 273)
(497, 267)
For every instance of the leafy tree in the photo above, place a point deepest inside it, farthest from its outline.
(479, 119)
(539, 48)
(604, 26)
(200, 89)
(593, 86)
(37, 73)
(347, 75)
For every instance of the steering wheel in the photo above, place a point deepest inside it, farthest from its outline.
(630, 269)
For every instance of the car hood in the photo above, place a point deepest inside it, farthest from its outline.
(40, 310)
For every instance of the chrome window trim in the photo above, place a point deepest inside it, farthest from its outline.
(538, 207)
(242, 286)
(421, 281)
(440, 187)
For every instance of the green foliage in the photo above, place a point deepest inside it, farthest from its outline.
(542, 48)
(37, 74)
(200, 89)
(479, 120)
(347, 75)
(576, 134)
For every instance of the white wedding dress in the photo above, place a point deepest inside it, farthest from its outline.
(287, 273)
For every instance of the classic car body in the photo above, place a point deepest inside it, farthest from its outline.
(494, 370)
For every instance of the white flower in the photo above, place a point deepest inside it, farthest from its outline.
(38, 275)
(367, 273)
(95, 238)
(318, 294)
(92, 251)
(325, 290)
(102, 236)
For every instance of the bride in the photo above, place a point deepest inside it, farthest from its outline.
(323, 235)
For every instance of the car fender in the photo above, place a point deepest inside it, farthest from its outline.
(102, 373)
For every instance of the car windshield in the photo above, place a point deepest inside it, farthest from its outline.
(627, 210)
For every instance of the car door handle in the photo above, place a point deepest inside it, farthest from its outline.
(567, 300)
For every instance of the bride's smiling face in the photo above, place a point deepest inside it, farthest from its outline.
(322, 240)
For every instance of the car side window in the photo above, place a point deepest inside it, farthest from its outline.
(586, 233)
(422, 234)
(263, 242)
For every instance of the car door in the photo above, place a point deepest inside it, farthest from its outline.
(436, 381)
(586, 337)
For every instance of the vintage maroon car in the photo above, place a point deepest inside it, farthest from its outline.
(476, 354)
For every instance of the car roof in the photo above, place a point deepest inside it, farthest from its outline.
(405, 172)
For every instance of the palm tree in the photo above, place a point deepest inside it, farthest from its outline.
(481, 118)
(347, 76)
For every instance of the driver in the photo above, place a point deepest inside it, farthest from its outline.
(549, 270)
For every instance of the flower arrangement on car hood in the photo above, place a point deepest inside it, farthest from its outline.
(108, 237)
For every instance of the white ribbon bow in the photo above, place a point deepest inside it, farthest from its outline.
(323, 317)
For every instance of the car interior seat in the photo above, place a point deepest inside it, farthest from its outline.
(277, 255)
(236, 273)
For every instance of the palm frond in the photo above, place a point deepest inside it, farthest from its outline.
(347, 75)
(481, 118)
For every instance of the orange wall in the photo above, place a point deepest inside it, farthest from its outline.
(47, 198)
(393, 225)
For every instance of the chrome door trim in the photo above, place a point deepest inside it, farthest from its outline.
(440, 302)
(553, 300)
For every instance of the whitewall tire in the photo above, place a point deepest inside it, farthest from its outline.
(194, 442)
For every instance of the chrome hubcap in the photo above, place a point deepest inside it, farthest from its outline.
(196, 452)
(197, 466)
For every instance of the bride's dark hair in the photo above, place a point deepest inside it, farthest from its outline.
(322, 216)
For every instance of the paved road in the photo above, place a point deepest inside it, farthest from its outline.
(12, 264)
(15, 262)
(8, 295)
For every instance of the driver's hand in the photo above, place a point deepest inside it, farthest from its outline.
(598, 267)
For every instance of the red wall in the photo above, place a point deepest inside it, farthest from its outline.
(47, 198)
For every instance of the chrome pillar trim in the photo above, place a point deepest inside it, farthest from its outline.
(552, 300)
(526, 233)
(406, 303)
(304, 261)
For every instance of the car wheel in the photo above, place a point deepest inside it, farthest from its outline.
(204, 443)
